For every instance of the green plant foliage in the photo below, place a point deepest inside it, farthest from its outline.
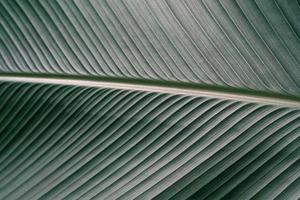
(70, 142)
(149, 99)
(236, 43)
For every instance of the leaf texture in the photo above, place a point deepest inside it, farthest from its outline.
(236, 43)
(68, 142)
(173, 99)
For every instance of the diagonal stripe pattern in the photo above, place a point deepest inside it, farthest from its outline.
(244, 44)
(70, 142)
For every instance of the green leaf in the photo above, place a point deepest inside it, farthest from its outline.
(149, 99)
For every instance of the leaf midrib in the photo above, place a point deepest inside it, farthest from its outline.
(172, 87)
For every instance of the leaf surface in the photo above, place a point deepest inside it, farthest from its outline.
(142, 99)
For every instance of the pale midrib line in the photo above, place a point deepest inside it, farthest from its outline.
(201, 92)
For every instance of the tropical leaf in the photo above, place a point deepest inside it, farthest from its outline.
(149, 99)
